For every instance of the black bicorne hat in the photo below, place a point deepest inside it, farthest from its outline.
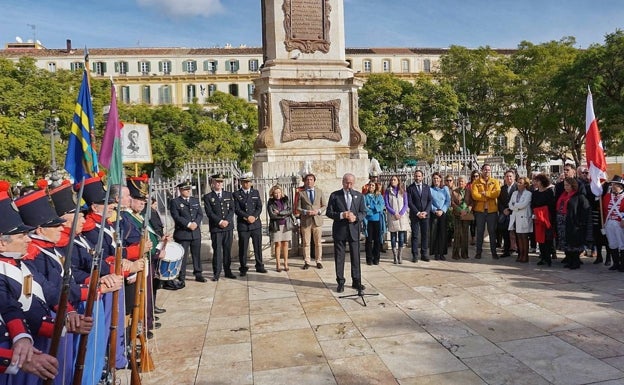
(138, 186)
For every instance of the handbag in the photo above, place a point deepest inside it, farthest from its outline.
(468, 217)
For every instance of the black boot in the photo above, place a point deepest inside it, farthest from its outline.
(621, 255)
(607, 256)
(615, 255)
(575, 260)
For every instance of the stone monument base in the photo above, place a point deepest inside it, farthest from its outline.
(329, 165)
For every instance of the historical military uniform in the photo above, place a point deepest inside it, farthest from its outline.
(219, 208)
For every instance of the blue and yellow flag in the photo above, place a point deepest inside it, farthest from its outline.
(81, 159)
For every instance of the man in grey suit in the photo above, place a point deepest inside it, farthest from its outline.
(346, 207)
(311, 205)
(419, 202)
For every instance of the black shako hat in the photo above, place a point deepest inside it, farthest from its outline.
(64, 198)
(11, 222)
(94, 191)
(36, 210)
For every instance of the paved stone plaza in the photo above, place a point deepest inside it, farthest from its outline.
(454, 322)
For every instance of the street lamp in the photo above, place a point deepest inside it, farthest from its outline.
(51, 128)
(463, 123)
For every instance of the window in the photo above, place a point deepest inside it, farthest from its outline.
(405, 67)
(99, 67)
(164, 94)
(76, 66)
(146, 97)
(349, 63)
(427, 65)
(164, 67)
(251, 88)
(367, 66)
(121, 67)
(386, 65)
(233, 88)
(191, 93)
(212, 88)
(125, 94)
(210, 66)
(52, 67)
(253, 65)
(232, 66)
(189, 66)
(144, 67)
(501, 141)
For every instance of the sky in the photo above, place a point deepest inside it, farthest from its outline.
(368, 23)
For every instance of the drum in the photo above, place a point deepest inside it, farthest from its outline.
(169, 267)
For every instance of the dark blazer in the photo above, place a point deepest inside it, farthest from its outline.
(245, 206)
(183, 213)
(419, 202)
(342, 229)
(504, 196)
(284, 213)
(218, 210)
(578, 226)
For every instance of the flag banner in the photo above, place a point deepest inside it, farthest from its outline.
(81, 159)
(594, 152)
(110, 151)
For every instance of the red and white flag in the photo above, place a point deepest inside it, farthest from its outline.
(594, 152)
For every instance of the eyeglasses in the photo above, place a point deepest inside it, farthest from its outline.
(585, 172)
(449, 180)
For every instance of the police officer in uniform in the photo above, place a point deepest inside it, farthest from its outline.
(219, 206)
(187, 215)
(248, 206)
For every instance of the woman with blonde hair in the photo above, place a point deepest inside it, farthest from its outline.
(280, 224)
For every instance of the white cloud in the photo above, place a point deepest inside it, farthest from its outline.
(178, 8)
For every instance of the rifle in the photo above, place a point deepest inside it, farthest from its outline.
(138, 312)
(59, 322)
(93, 284)
(112, 345)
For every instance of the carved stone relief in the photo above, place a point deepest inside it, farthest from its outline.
(265, 136)
(356, 136)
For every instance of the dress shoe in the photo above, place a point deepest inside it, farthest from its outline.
(243, 273)
(170, 286)
(426, 259)
(214, 279)
(414, 260)
(181, 285)
(279, 270)
(477, 256)
(369, 263)
(200, 278)
(286, 268)
(156, 318)
(157, 325)
(159, 310)
(495, 256)
(230, 275)
(261, 270)
(358, 286)
(442, 258)
(340, 288)
(305, 266)
(150, 335)
(319, 265)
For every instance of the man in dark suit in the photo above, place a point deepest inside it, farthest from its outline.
(187, 216)
(346, 207)
(419, 202)
(248, 206)
(508, 187)
(219, 206)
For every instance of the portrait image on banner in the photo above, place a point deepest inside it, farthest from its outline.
(136, 146)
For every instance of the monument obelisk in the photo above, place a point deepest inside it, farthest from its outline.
(307, 95)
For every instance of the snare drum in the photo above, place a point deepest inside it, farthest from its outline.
(169, 267)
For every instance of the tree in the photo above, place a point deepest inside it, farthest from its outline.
(481, 80)
(535, 111)
(393, 111)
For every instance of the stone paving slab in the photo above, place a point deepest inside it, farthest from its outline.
(454, 322)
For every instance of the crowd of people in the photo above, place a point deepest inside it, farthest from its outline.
(77, 280)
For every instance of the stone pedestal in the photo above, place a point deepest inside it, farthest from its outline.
(307, 95)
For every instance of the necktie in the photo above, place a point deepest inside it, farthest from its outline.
(311, 195)
(349, 199)
(418, 188)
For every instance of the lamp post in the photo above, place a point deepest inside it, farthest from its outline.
(51, 128)
(463, 123)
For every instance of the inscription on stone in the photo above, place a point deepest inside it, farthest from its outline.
(306, 23)
(311, 120)
(307, 19)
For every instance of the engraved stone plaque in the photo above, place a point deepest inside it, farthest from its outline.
(311, 120)
(306, 23)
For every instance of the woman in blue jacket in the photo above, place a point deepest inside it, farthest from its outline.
(440, 202)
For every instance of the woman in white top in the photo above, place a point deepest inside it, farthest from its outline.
(520, 220)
